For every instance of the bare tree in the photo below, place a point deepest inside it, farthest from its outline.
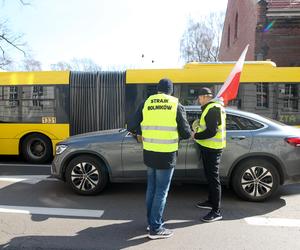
(85, 64)
(61, 66)
(25, 2)
(21, 1)
(77, 64)
(31, 64)
(201, 40)
(9, 40)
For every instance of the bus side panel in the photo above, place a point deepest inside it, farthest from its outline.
(9, 146)
(10, 135)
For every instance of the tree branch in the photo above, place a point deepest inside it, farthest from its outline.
(16, 46)
(3, 52)
(24, 3)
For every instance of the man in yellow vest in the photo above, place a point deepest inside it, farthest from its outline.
(161, 120)
(210, 136)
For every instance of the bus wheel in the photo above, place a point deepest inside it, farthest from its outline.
(37, 148)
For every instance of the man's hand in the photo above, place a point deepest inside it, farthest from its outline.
(193, 135)
(139, 138)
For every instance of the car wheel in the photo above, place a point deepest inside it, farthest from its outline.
(255, 180)
(37, 148)
(86, 175)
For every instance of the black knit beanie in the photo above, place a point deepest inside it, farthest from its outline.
(165, 86)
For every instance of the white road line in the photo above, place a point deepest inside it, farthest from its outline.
(52, 211)
(275, 222)
(24, 165)
(30, 179)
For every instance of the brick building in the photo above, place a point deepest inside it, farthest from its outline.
(272, 29)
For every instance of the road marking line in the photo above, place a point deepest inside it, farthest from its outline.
(30, 179)
(275, 222)
(52, 211)
(24, 165)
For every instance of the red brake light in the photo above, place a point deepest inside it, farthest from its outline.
(295, 141)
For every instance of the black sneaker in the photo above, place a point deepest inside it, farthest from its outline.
(212, 216)
(148, 227)
(204, 205)
(163, 233)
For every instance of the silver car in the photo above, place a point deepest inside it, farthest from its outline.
(261, 154)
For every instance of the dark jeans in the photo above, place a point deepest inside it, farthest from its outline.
(211, 163)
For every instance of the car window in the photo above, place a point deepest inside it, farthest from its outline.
(192, 116)
(231, 123)
(234, 122)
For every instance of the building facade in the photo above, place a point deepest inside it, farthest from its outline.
(272, 29)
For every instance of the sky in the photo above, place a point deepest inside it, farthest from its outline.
(113, 33)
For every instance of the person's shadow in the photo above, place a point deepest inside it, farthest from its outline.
(123, 222)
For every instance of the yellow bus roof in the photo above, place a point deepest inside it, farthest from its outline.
(34, 77)
(254, 71)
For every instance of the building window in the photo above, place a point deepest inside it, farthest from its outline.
(13, 96)
(262, 95)
(228, 37)
(290, 100)
(37, 94)
(236, 25)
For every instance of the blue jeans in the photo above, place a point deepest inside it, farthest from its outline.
(158, 184)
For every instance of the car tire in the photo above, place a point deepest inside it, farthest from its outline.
(86, 175)
(37, 148)
(255, 180)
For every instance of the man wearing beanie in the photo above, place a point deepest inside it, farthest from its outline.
(161, 120)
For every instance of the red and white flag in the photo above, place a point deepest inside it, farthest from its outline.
(230, 87)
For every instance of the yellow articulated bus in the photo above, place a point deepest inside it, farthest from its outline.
(34, 113)
(39, 109)
(265, 89)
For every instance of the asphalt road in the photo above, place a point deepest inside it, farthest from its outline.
(37, 212)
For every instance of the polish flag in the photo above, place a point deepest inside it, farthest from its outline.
(230, 87)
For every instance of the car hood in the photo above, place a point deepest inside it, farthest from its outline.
(98, 135)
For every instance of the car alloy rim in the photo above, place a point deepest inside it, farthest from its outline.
(257, 181)
(85, 176)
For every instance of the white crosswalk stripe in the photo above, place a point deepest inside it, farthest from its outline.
(52, 211)
(34, 179)
(275, 222)
(29, 179)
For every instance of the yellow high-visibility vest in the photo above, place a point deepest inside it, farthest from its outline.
(159, 126)
(219, 140)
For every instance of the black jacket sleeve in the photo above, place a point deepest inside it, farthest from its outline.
(212, 120)
(134, 123)
(183, 126)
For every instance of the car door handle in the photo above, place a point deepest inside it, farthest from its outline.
(241, 137)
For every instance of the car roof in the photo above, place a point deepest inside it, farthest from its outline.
(198, 108)
(228, 110)
(265, 120)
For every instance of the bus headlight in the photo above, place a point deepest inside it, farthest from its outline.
(60, 149)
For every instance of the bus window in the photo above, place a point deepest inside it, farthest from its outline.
(29, 104)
